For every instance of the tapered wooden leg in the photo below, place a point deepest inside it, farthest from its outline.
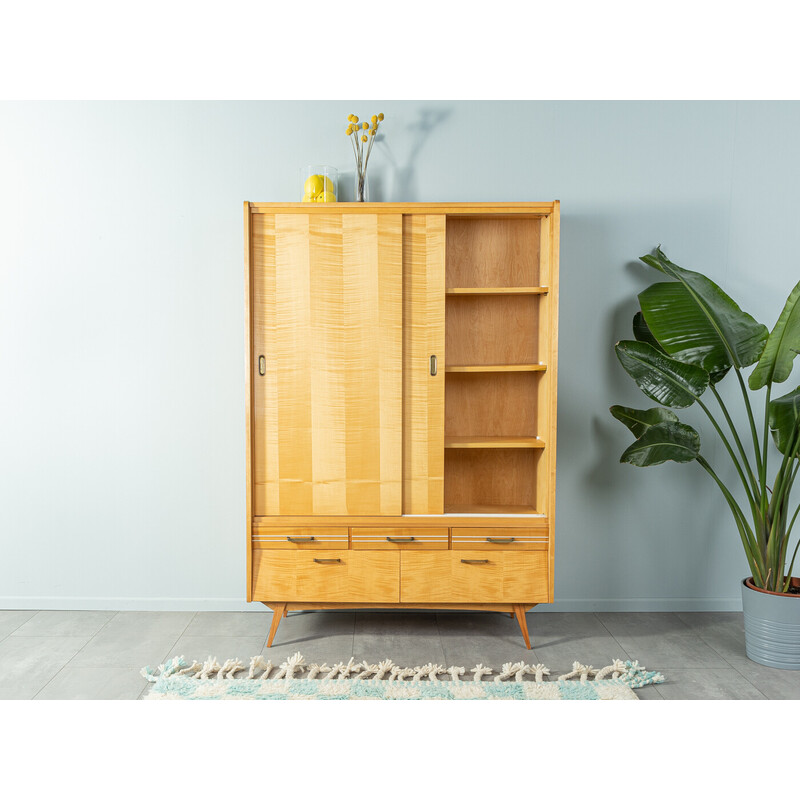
(277, 616)
(286, 610)
(519, 612)
(511, 614)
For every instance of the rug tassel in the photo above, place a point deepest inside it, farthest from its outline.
(540, 672)
(616, 669)
(455, 673)
(366, 671)
(579, 670)
(480, 671)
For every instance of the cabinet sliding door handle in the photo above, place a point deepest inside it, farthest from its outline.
(492, 540)
(399, 540)
(327, 560)
(299, 539)
(474, 560)
(262, 365)
(433, 365)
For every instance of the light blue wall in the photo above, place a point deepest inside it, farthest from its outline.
(121, 327)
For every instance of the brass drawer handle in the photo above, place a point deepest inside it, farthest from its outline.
(399, 540)
(501, 541)
(262, 365)
(299, 539)
(433, 365)
(327, 560)
(474, 560)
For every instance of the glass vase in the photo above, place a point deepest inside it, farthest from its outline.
(320, 183)
(361, 187)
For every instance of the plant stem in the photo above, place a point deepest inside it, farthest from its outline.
(754, 557)
(732, 455)
(756, 444)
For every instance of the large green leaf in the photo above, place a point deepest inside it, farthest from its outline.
(663, 379)
(642, 333)
(667, 441)
(784, 413)
(742, 336)
(682, 329)
(775, 364)
(639, 422)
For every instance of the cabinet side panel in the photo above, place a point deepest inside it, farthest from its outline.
(266, 496)
(248, 384)
(423, 336)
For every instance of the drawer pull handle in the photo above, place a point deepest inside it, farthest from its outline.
(433, 366)
(299, 539)
(500, 541)
(327, 560)
(262, 365)
(400, 540)
(474, 560)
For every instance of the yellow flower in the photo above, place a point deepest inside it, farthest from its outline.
(363, 138)
(349, 117)
(372, 132)
(355, 118)
(365, 125)
(349, 129)
(374, 118)
(380, 117)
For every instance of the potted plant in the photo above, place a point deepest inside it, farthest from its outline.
(688, 336)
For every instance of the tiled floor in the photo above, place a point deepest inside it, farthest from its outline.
(98, 654)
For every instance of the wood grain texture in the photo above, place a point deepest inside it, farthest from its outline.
(423, 337)
(492, 404)
(493, 252)
(519, 577)
(358, 576)
(297, 538)
(490, 477)
(493, 329)
(248, 393)
(377, 538)
(505, 290)
(328, 318)
(411, 521)
(500, 539)
(500, 210)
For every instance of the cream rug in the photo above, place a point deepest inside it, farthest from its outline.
(294, 679)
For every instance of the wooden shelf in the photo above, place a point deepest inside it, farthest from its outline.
(497, 368)
(494, 509)
(493, 441)
(497, 290)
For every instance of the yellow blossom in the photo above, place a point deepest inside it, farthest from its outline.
(349, 129)
(380, 117)
(355, 118)
(372, 132)
(363, 138)
(374, 118)
(365, 125)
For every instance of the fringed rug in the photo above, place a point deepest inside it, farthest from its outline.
(297, 680)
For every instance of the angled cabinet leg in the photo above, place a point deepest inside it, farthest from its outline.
(277, 614)
(519, 612)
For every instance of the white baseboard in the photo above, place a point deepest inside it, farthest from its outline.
(234, 604)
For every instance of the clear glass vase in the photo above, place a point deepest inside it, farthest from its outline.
(361, 194)
(320, 183)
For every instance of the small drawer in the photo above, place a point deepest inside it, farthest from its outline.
(333, 576)
(474, 576)
(497, 539)
(399, 538)
(284, 538)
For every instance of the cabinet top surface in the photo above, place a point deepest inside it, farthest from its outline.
(526, 208)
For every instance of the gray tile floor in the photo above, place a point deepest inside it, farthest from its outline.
(53, 655)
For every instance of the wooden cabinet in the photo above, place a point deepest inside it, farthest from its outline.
(401, 404)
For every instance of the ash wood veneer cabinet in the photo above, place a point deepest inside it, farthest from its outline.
(401, 405)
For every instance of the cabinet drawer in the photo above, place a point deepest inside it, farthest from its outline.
(497, 539)
(335, 576)
(278, 538)
(491, 577)
(401, 538)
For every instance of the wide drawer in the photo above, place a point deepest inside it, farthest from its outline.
(287, 538)
(399, 538)
(500, 539)
(335, 576)
(473, 576)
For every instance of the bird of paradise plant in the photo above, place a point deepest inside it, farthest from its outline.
(688, 335)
